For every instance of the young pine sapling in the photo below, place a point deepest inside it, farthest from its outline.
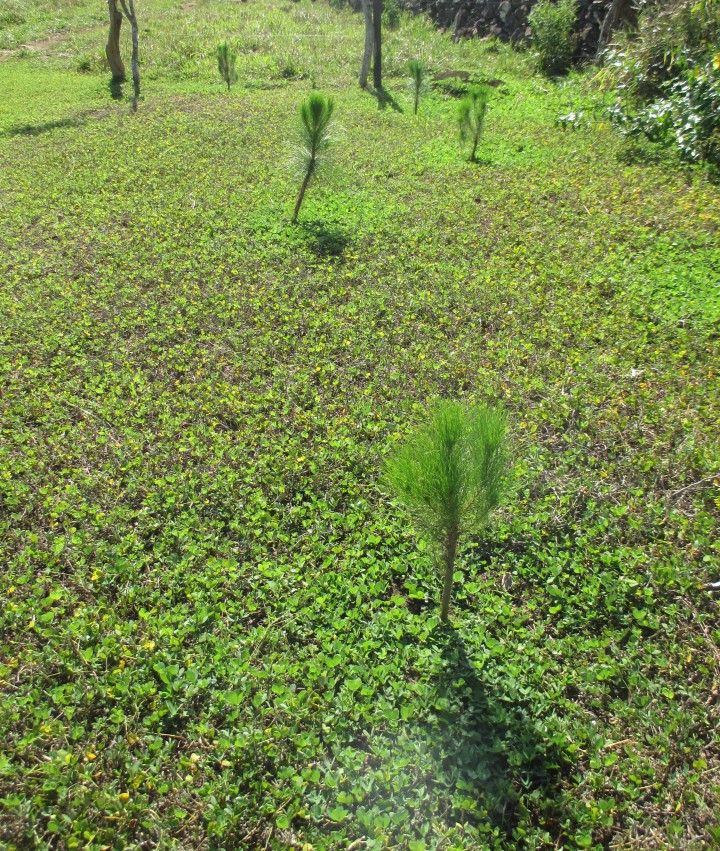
(417, 76)
(471, 116)
(226, 64)
(315, 127)
(450, 476)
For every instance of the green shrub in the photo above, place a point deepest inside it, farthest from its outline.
(391, 14)
(454, 87)
(450, 475)
(668, 79)
(552, 34)
(669, 42)
(11, 19)
(226, 64)
(687, 116)
(289, 66)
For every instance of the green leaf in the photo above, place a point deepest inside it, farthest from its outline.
(338, 814)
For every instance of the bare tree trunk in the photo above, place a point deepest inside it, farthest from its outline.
(301, 194)
(377, 36)
(129, 9)
(449, 559)
(369, 40)
(112, 50)
(615, 15)
(456, 25)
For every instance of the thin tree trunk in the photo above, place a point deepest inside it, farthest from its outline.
(449, 559)
(615, 15)
(369, 40)
(476, 139)
(301, 195)
(417, 99)
(129, 9)
(377, 36)
(456, 25)
(112, 50)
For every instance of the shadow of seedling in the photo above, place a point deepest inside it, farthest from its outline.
(324, 240)
(45, 126)
(489, 748)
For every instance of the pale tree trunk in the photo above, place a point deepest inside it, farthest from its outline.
(112, 50)
(129, 9)
(377, 37)
(369, 40)
(615, 15)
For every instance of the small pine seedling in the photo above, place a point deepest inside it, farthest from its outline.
(471, 116)
(226, 64)
(315, 126)
(450, 476)
(417, 76)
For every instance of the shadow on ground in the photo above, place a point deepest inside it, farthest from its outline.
(385, 99)
(488, 746)
(44, 126)
(79, 120)
(324, 240)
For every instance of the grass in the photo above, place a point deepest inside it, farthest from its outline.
(217, 629)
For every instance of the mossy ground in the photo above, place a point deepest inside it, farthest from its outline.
(217, 630)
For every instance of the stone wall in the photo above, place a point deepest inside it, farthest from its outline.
(507, 19)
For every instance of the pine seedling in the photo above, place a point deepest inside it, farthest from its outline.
(450, 475)
(417, 77)
(226, 64)
(471, 116)
(315, 128)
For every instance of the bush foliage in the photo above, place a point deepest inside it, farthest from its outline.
(552, 34)
(668, 79)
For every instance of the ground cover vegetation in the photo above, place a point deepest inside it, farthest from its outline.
(218, 629)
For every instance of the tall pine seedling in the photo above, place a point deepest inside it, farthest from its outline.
(315, 128)
(450, 475)
(471, 116)
(417, 77)
(226, 64)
